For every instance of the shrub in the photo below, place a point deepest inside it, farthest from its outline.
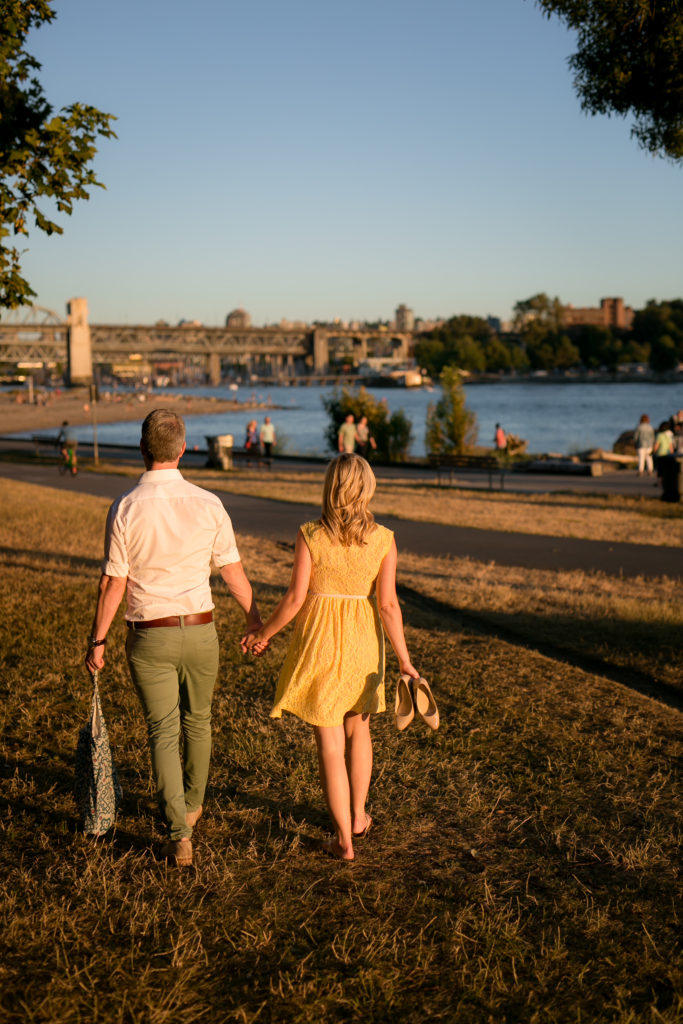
(393, 433)
(451, 427)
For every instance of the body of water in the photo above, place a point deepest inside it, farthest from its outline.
(552, 417)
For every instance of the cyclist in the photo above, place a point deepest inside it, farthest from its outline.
(67, 445)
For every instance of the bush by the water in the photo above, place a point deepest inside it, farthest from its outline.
(392, 432)
(451, 426)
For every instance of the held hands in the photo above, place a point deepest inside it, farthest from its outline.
(253, 642)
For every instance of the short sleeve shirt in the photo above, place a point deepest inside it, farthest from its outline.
(164, 536)
(347, 436)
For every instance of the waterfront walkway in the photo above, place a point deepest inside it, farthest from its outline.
(279, 521)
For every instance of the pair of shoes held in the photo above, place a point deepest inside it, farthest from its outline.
(412, 695)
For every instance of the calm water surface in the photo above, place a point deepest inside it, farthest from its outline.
(552, 417)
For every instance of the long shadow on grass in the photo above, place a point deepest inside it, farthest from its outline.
(51, 780)
(641, 682)
(35, 558)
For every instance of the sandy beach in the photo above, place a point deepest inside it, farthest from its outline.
(17, 415)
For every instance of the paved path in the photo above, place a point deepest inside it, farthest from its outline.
(279, 521)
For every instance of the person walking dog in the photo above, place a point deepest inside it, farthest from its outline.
(160, 542)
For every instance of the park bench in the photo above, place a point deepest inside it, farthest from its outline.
(448, 463)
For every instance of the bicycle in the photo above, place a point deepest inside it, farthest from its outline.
(68, 462)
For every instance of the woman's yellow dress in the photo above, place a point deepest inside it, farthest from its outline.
(335, 662)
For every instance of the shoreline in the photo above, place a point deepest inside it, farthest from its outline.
(73, 405)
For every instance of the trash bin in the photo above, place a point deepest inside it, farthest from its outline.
(671, 474)
(220, 451)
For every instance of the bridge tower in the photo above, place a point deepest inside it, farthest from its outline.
(78, 343)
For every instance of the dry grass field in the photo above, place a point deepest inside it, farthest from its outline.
(591, 517)
(525, 863)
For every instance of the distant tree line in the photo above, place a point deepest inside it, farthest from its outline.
(540, 341)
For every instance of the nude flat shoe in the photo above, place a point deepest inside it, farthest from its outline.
(405, 708)
(425, 703)
(178, 852)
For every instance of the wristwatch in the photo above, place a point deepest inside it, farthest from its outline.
(94, 642)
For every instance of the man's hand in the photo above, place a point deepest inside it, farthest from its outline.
(253, 642)
(94, 660)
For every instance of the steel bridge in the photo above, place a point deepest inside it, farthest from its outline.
(34, 337)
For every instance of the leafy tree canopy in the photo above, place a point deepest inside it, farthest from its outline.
(660, 326)
(628, 61)
(43, 156)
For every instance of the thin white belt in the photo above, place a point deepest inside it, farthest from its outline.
(352, 597)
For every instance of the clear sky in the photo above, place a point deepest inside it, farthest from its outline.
(311, 159)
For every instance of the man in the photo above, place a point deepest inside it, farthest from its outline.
(267, 436)
(499, 439)
(347, 435)
(160, 541)
(68, 445)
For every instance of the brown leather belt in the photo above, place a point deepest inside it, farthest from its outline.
(198, 619)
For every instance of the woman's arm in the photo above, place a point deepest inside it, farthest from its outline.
(390, 611)
(256, 640)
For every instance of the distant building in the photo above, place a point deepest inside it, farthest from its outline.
(611, 313)
(405, 318)
(238, 318)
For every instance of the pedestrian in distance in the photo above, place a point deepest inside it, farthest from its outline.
(161, 539)
(68, 449)
(252, 442)
(346, 436)
(342, 594)
(663, 445)
(500, 440)
(268, 437)
(644, 439)
(364, 439)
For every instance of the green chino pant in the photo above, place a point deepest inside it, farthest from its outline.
(174, 671)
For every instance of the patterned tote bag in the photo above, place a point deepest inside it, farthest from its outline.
(96, 785)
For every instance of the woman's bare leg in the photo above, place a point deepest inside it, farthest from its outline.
(358, 766)
(330, 741)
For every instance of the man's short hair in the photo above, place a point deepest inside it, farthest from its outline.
(163, 435)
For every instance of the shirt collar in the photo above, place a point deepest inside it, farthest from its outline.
(160, 476)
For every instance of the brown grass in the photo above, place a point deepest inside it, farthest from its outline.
(524, 866)
(614, 518)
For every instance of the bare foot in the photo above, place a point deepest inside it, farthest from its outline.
(333, 849)
(361, 834)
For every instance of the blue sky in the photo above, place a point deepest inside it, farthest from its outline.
(308, 159)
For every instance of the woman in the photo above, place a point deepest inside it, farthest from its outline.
(644, 439)
(342, 592)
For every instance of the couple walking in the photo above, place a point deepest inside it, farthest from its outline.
(161, 540)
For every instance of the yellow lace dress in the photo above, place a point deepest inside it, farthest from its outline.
(335, 661)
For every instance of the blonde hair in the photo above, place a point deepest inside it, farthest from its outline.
(347, 492)
(163, 434)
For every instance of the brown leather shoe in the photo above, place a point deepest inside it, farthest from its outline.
(178, 852)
